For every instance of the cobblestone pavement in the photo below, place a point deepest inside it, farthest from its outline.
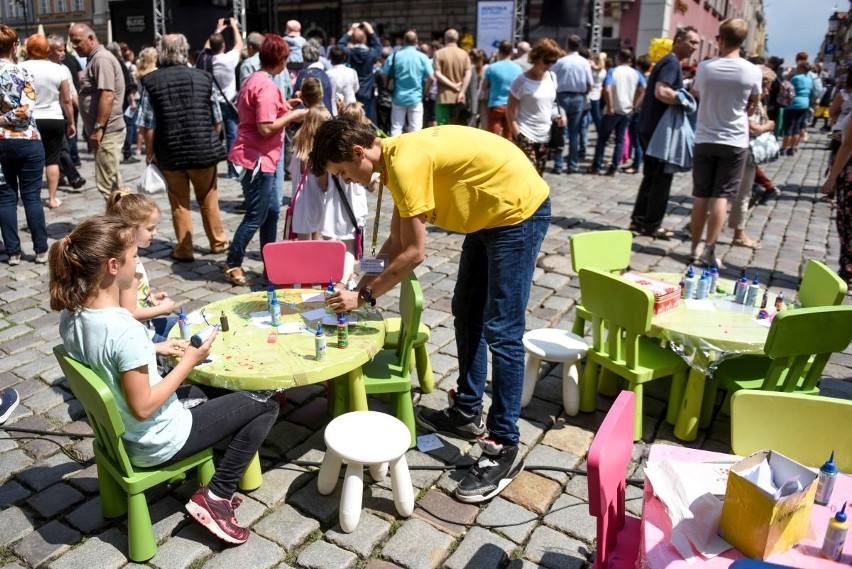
(48, 489)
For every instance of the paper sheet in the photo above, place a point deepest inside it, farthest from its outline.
(331, 319)
(692, 494)
(316, 314)
(313, 296)
(705, 304)
(195, 318)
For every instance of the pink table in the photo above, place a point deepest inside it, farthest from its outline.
(657, 553)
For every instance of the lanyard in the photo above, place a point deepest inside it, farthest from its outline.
(375, 241)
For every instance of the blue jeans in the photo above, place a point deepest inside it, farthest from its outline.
(23, 164)
(489, 306)
(595, 114)
(162, 326)
(573, 105)
(262, 211)
(611, 123)
(637, 151)
(229, 123)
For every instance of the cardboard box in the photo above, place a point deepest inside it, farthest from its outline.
(666, 294)
(755, 522)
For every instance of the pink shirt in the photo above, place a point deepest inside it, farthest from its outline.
(260, 101)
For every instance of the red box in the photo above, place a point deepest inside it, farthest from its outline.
(666, 294)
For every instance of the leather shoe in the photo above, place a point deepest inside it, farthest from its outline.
(174, 257)
(78, 183)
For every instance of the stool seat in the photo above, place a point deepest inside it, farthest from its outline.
(372, 439)
(554, 345)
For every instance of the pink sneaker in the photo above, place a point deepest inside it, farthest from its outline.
(217, 516)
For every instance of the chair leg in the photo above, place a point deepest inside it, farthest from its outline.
(579, 327)
(329, 471)
(638, 389)
(113, 498)
(141, 544)
(609, 383)
(570, 387)
(206, 470)
(589, 387)
(424, 369)
(404, 411)
(403, 492)
(531, 367)
(350, 501)
(252, 477)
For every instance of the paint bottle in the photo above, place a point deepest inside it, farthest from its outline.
(329, 290)
(740, 289)
(765, 313)
(752, 292)
(183, 325)
(319, 343)
(714, 279)
(342, 331)
(690, 283)
(270, 293)
(200, 337)
(779, 302)
(765, 299)
(835, 535)
(275, 311)
(825, 481)
(703, 286)
(223, 322)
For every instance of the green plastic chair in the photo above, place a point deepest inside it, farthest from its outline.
(420, 359)
(621, 311)
(608, 250)
(821, 286)
(799, 345)
(122, 486)
(389, 372)
(799, 426)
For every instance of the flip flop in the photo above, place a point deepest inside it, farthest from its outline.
(58, 204)
(749, 243)
(234, 279)
(661, 233)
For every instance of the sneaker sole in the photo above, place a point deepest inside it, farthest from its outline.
(469, 436)
(8, 412)
(475, 499)
(201, 516)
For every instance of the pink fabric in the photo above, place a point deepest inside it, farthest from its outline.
(260, 101)
(658, 553)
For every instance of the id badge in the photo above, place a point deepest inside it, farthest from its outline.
(373, 265)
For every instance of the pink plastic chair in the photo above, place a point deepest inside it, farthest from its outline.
(618, 535)
(304, 262)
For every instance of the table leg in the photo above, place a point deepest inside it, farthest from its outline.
(357, 392)
(686, 427)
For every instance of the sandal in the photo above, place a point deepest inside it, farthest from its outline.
(234, 277)
(747, 242)
(661, 233)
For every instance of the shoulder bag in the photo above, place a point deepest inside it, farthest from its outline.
(359, 230)
(289, 234)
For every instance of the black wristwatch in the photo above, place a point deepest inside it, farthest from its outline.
(366, 295)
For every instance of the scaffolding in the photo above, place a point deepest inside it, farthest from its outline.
(596, 39)
(159, 18)
(520, 21)
(240, 15)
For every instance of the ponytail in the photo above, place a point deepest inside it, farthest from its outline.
(135, 209)
(77, 261)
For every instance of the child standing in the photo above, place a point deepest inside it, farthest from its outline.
(308, 190)
(155, 310)
(89, 270)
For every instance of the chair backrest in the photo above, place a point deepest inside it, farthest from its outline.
(608, 250)
(620, 308)
(821, 286)
(410, 311)
(803, 427)
(607, 462)
(801, 341)
(309, 262)
(100, 407)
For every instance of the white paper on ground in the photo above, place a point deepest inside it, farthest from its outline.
(425, 443)
(689, 492)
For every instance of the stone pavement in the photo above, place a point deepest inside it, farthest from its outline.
(49, 506)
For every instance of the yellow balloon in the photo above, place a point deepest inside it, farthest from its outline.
(658, 48)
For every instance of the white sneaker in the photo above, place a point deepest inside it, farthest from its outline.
(15, 259)
(41, 258)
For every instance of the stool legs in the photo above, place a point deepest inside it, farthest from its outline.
(403, 492)
(570, 387)
(329, 471)
(350, 501)
(379, 471)
(531, 367)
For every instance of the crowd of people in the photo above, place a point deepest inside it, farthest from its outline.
(340, 122)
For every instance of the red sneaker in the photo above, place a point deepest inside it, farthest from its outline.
(217, 516)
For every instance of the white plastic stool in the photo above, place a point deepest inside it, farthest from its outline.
(554, 345)
(366, 438)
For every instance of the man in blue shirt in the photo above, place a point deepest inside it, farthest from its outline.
(362, 58)
(573, 82)
(410, 70)
(498, 78)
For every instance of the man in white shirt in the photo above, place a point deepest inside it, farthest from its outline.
(224, 75)
(344, 80)
(728, 87)
(573, 81)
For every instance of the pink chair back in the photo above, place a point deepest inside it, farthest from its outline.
(304, 262)
(608, 457)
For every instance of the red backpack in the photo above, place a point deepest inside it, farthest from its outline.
(786, 94)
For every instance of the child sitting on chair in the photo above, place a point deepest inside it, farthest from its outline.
(89, 270)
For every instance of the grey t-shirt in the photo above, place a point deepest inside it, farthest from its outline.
(724, 87)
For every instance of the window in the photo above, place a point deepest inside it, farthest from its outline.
(15, 10)
(61, 6)
(77, 5)
(44, 6)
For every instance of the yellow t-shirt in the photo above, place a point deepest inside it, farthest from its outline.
(464, 179)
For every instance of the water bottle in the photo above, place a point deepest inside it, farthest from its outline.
(740, 288)
(275, 311)
(752, 292)
(690, 284)
(714, 279)
(825, 481)
(183, 325)
(703, 286)
(319, 343)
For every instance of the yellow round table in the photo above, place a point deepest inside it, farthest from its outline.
(246, 357)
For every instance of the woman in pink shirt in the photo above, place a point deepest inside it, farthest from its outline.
(263, 115)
